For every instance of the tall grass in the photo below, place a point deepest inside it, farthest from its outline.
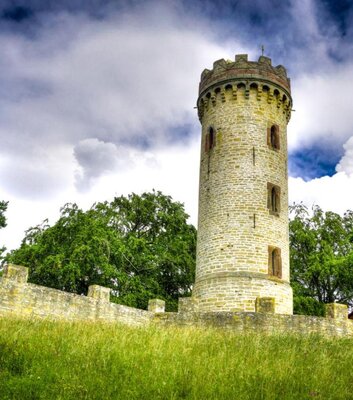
(61, 360)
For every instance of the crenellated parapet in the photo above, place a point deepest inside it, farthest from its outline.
(229, 80)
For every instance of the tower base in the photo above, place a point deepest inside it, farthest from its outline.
(238, 291)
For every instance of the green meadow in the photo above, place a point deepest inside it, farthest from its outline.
(61, 360)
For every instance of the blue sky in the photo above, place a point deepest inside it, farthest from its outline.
(97, 97)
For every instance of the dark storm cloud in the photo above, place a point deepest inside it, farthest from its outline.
(91, 87)
(126, 72)
(119, 81)
(285, 27)
(341, 11)
(20, 10)
(16, 14)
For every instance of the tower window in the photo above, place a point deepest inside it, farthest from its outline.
(273, 199)
(273, 137)
(210, 140)
(274, 262)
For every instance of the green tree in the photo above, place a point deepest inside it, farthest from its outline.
(321, 258)
(140, 246)
(3, 208)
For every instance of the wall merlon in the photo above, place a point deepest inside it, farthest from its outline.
(282, 71)
(337, 311)
(205, 72)
(265, 60)
(220, 64)
(15, 273)
(265, 305)
(99, 292)
(241, 58)
(187, 304)
(156, 306)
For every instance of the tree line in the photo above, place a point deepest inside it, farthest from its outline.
(142, 247)
(139, 246)
(321, 258)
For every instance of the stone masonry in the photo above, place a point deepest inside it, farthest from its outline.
(242, 166)
(21, 299)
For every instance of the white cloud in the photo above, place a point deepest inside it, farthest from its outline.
(94, 104)
(331, 193)
(346, 162)
(96, 157)
(321, 69)
(322, 107)
(173, 170)
(120, 81)
(99, 100)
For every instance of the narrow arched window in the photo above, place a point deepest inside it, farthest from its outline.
(210, 139)
(273, 199)
(273, 137)
(274, 262)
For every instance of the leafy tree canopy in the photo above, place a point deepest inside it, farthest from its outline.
(321, 258)
(3, 208)
(140, 246)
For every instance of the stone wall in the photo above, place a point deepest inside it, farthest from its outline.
(22, 299)
(243, 322)
(19, 298)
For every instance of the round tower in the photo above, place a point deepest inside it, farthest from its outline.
(243, 244)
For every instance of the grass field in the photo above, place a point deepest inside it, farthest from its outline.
(57, 360)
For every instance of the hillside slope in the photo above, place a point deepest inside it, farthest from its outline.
(60, 360)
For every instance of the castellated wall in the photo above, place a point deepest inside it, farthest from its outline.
(235, 228)
(19, 298)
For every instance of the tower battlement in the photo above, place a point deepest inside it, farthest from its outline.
(228, 80)
(241, 68)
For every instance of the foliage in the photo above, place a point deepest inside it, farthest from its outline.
(308, 306)
(3, 208)
(321, 258)
(140, 246)
(61, 360)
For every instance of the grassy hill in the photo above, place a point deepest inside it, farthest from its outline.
(60, 360)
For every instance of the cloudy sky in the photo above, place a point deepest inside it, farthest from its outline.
(97, 97)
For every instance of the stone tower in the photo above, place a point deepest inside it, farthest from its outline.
(243, 245)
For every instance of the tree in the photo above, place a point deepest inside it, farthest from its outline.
(321, 258)
(140, 246)
(3, 208)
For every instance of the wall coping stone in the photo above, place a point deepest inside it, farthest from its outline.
(156, 306)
